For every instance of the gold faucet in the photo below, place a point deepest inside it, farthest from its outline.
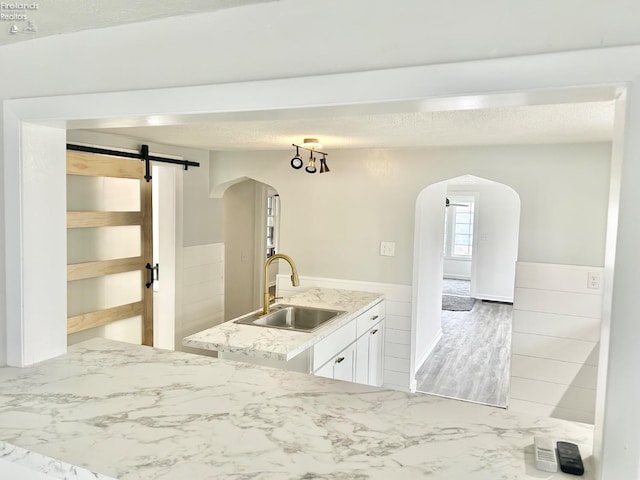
(295, 281)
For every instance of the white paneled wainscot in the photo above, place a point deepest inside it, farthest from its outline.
(397, 344)
(556, 334)
(203, 290)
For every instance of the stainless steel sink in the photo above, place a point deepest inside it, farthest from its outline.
(291, 317)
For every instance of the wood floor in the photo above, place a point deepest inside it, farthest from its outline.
(471, 361)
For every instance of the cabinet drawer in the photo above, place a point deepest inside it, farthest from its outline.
(334, 343)
(370, 318)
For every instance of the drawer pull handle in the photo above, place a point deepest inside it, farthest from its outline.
(375, 317)
(339, 359)
(373, 332)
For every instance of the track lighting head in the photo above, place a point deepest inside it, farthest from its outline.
(311, 166)
(296, 162)
(323, 164)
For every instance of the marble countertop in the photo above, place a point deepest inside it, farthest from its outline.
(283, 344)
(111, 410)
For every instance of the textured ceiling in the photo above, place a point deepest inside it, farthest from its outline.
(558, 123)
(65, 16)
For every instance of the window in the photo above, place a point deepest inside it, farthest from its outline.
(459, 226)
(272, 224)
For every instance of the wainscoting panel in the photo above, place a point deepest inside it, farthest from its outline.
(203, 290)
(397, 350)
(555, 345)
(565, 326)
(541, 410)
(564, 373)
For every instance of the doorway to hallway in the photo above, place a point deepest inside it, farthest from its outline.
(471, 361)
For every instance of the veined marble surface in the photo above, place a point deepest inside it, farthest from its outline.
(131, 412)
(283, 344)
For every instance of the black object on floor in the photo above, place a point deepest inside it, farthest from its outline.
(457, 304)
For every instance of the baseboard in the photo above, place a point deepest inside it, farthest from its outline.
(493, 298)
(456, 277)
(426, 354)
(413, 385)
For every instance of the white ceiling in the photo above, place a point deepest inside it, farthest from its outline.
(534, 124)
(65, 16)
(344, 128)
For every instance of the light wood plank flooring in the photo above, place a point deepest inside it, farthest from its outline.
(471, 361)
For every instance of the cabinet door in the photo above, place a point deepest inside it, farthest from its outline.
(376, 355)
(344, 364)
(340, 367)
(362, 359)
(325, 371)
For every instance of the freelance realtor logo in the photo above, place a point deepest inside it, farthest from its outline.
(18, 16)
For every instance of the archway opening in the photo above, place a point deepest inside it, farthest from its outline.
(251, 218)
(468, 252)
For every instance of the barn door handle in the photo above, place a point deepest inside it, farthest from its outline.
(153, 274)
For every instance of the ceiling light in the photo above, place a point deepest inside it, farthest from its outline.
(311, 145)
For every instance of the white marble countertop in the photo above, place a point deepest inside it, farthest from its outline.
(283, 344)
(129, 412)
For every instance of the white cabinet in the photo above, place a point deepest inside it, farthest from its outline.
(342, 366)
(355, 352)
(375, 362)
(370, 355)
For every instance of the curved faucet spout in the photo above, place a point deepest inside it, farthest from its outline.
(295, 280)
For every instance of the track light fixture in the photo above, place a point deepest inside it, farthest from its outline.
(310, 144)
(311, 166)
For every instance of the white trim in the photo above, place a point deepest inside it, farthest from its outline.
(493, 298)
(424, 357)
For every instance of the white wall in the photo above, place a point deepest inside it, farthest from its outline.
(428, 267)
(556, 333)
(457, 268)
(203, 291)
(379, 188)
(240, 252)
(496, 239)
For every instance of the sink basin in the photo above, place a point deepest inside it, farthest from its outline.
(291, 317)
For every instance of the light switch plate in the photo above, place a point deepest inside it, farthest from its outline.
(388, 249)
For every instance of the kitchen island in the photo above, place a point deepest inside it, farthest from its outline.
(126, 412)
(279, 344)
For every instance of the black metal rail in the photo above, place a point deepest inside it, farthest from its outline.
(143, 156)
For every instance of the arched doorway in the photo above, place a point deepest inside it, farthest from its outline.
(449, 356)
(251, 225)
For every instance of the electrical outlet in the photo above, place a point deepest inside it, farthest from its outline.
(593, 280)
(388, 249)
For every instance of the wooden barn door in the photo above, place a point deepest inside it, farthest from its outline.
(109, 238)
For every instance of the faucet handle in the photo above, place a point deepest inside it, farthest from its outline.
(273, 298)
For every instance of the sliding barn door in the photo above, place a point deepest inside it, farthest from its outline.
(109, 245)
